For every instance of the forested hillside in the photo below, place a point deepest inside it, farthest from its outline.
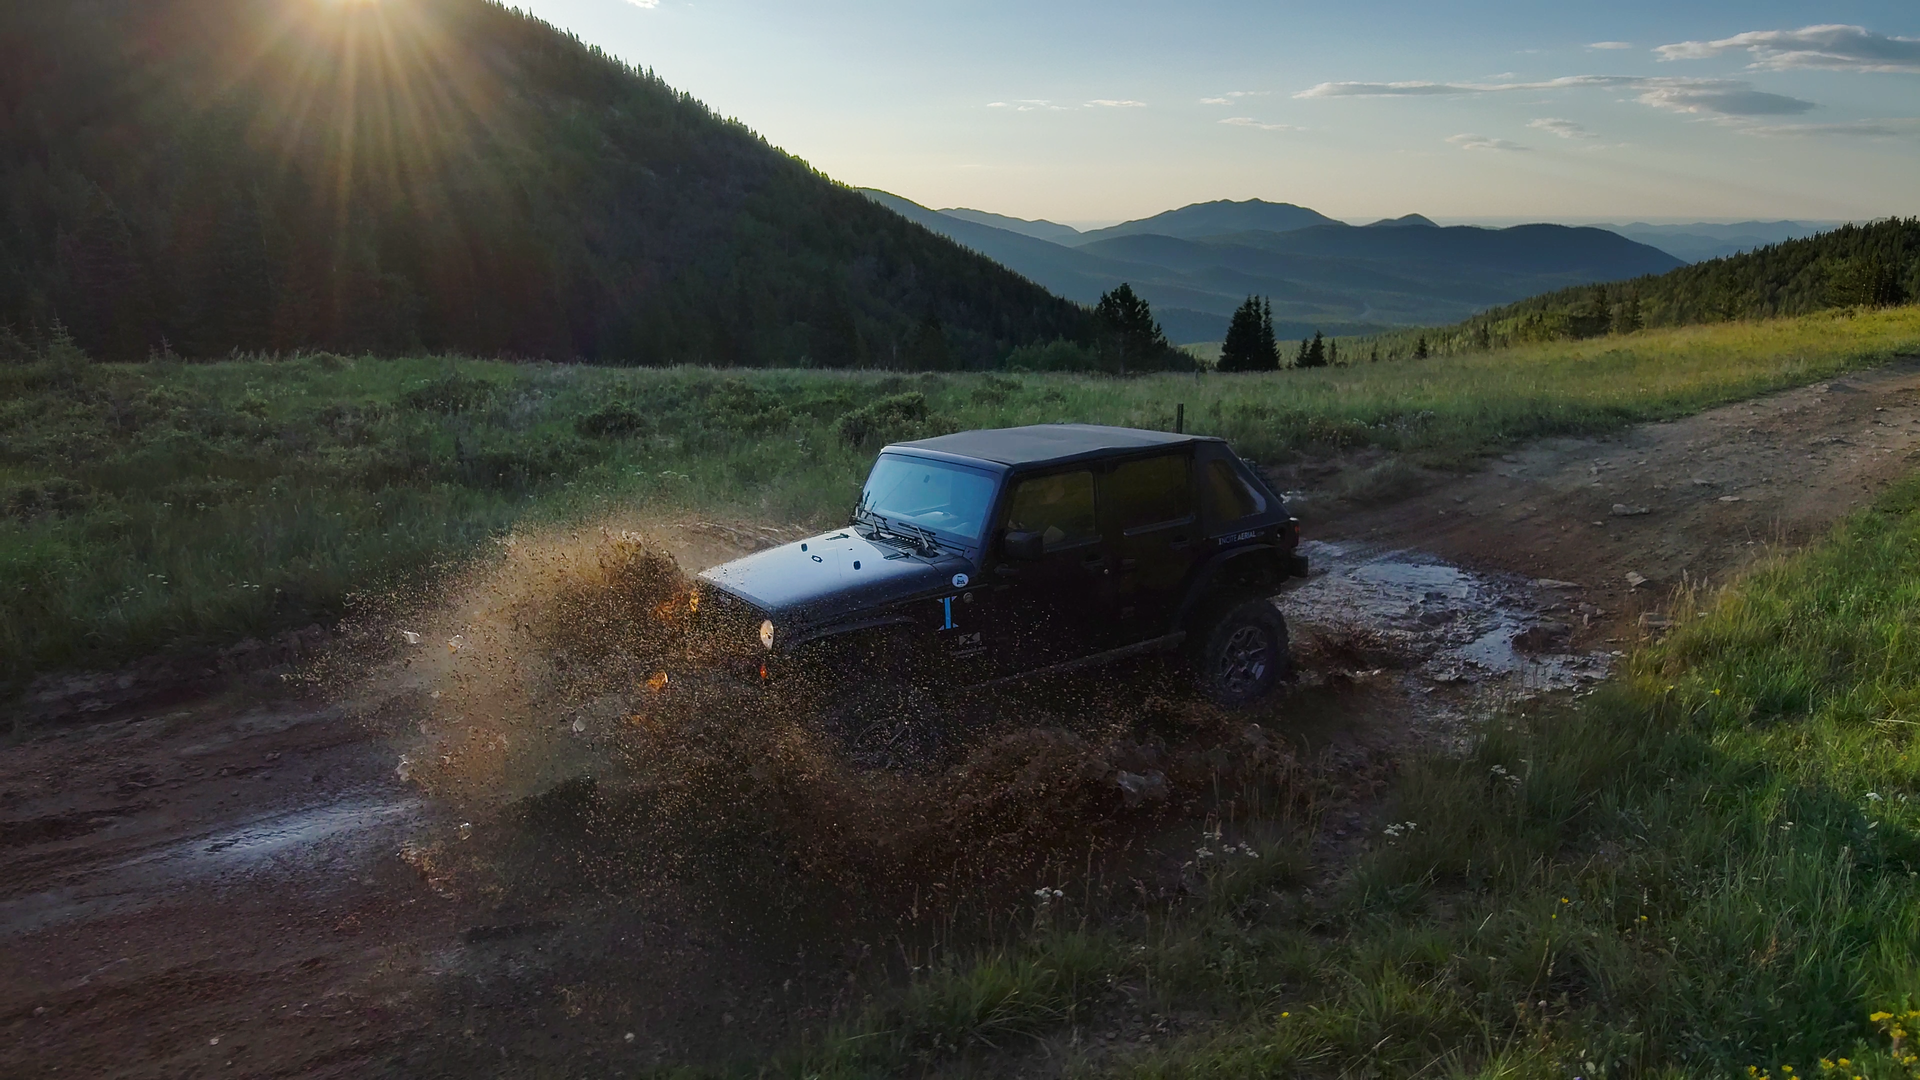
(1873, 265)
(207, 176)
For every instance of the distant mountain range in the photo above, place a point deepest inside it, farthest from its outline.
(1196, 264)
(1700, 240)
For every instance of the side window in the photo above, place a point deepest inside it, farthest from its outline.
(1229, 497)
(1153, 491)
(1058, 507)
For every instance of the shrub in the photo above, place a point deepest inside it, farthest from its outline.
(735, 405)
(614, 420)
(450, 393)
(890, 419)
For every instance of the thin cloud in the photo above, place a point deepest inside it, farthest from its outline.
(1114, 103)
(1250, 122)
(1232, 96)
(1028, 105)
(1566, 129)
(648, 4)
(1724, 101)
(1609, 45)
(1903, 127)
(1832, 46)
(1482, 142)
(1724, 97)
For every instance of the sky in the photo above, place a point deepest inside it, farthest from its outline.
(1091, 113)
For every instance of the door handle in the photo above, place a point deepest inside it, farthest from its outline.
(1179, 543)
(1129, 564)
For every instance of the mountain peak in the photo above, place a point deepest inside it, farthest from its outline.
(1420, 221)
(1214, 219)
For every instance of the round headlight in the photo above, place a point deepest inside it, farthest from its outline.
(766, 633)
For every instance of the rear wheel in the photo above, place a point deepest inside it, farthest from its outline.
(1241, 653)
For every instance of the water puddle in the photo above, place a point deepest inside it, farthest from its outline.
(300, 834)
(1442, 624)
(314, 840)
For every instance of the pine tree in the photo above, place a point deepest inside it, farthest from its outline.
(1420, 351)
(1333, 352)
(1129, 335)
(1269, 347)
(1241, 350)
(1300, 358)
(1313, 352)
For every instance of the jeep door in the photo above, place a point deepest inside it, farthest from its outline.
(1052, 608)
(1147, 518)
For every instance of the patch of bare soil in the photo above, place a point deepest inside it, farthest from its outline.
(508, 848)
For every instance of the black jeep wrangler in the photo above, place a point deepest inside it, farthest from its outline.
(987, 556)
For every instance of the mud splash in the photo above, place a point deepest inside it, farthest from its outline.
(556, 690)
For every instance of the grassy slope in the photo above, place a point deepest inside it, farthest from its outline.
(1708, 866)
(148, 506)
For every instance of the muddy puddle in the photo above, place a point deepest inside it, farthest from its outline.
(317, 840)
(1433, 624)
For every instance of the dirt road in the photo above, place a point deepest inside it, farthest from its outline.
(246, 887)
(1696, 498)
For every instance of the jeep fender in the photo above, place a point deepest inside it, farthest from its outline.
(1221, 565)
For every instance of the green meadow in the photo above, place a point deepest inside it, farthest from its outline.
(183, 505)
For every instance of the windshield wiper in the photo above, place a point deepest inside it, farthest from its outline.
(919, 537)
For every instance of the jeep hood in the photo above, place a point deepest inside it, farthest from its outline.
(833, 576)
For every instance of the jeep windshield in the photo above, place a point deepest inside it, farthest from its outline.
(919, 500)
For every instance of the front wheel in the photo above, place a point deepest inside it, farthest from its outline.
(1241, 654)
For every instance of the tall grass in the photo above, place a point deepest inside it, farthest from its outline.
(1711, 865)
(149, 506)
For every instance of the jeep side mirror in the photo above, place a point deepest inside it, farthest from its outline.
(1024, 546)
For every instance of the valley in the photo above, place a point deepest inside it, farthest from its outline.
(1197, 264)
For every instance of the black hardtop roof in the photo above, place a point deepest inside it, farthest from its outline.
(1047, 444)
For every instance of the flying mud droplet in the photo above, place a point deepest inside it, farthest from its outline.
(699, 781)
(410, 637)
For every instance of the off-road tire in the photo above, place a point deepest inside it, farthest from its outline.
(1239, 652)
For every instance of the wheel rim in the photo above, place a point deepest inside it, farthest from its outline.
(1245, 660)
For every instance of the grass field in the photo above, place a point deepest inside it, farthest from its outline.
(1708, 866)
(166, 505)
